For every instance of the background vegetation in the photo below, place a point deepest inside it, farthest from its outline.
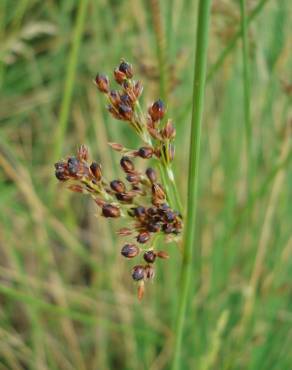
(67, 301)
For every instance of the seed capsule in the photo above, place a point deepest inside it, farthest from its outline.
(95, 169)
(127, 165)
(60, 172)
(118, 186)
(125, 197)
(102, 82)
(126, 112)
(151, 174)
(168, 131)
(114, 98)
(126, 68)
(130, 251)
(149, 256)
(153, 227)
(132, 178)
(119, 76)
(139, 212)
(138, 272)
(170, 216)
(143, 237)
(157, 110)
(145, 152)
(73, 166)
(108, 210)
(168, 228)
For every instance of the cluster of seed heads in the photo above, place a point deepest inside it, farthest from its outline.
(138, 199)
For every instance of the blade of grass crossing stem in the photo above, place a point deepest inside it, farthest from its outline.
(246, 95)
(193, 180)
(70, 77)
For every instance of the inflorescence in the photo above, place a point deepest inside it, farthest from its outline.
(140, 200)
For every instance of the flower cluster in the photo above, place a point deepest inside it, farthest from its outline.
(140, 199)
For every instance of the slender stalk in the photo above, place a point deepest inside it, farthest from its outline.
(70, 78)
(193, 180)
(246, 94)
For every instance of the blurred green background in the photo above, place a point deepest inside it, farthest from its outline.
(66, 297)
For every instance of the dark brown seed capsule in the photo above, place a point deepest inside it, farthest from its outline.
(119, 76)
(149, 256)
(127, 165)
(109, 210)
(102, 82)
(153, 227)
(138, 273)
(170, 216)
(132, 178)
(125, 99)
(61, 174)
(157, 110)
(152, 211)
(126, 68)
(149, 272)
(125, 197)
(145, 152)
(168, 228)
(82, 153)
(115, 98)
(95, 169)
(140, 212)
(130, 250)
(143, 237)
(126, 112)
(73, 166)
(118, 186)
(151, 174)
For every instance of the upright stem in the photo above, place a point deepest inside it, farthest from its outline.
(246, 94)
(190, 222)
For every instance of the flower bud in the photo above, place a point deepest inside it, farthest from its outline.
(138, 272)
(126, 68)
(149, 256)
(127, 165)
(162, 254)
(109, 210)
(95, 169)
(149, 272)
(102, 82)
(130, 251)
(143, 237)
(168, 132)
(145, 152)
(151, 174)
(82, 154)
(157, 110)
(118, 186)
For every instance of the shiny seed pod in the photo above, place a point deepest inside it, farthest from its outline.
(132, 178)
(61, 174)
(118, 186)
(149, 272)
(125, 197)
(152, 211)
(145, 152)
(125, 111)
(130, 251)
(151, 174)
(140, 212)
(73, 166)
(95, 169)
(126, 68)
(153, 227)
(109, 210)
(127, 165)
(119, 76)
(143, 237)
(149, 256)
(102, 82)
(157, 110)
(170, 216)
(138, 272)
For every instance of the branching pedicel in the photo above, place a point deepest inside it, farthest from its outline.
(145, 204)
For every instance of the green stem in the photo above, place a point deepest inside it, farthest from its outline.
(246, 94)
(193, 180)
(70, 78)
